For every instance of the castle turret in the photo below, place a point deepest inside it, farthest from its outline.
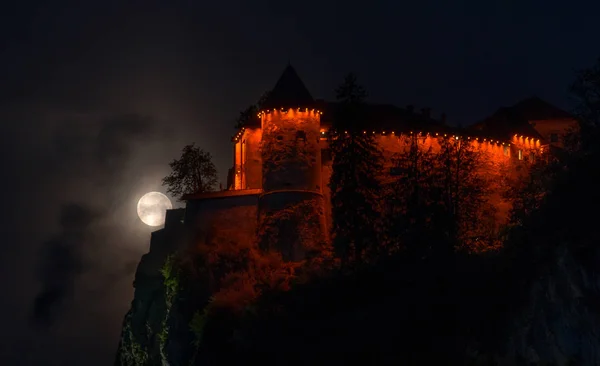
(291, 165)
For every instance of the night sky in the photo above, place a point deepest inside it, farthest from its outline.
(96, 97)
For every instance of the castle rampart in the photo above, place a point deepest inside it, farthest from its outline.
(282, 160)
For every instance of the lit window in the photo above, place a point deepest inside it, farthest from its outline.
(553, 137)
(506, 150)
(520, 154)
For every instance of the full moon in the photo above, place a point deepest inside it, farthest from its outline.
(152, 208)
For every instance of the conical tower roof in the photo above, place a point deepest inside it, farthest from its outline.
(289, 92)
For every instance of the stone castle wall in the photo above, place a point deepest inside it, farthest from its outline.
(229, 218)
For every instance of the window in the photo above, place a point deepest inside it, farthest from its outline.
(505, 150)
(301, 135)
(553, 137)
(532, 157)
(520, 154)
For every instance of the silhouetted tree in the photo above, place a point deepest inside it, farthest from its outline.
(194, 172)
(409, 199)
(354, 185)
(251, 111)
(586, 92)
(467, 218)
(437, 200)
(528, 191)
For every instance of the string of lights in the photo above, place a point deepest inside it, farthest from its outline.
(263, 113)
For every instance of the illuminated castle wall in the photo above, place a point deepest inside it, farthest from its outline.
(282, 157)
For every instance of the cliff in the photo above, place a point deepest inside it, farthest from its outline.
(380, 316)
(536, 302)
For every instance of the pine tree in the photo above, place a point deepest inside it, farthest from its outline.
(354, 181)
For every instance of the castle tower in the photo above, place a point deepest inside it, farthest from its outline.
(291, 167)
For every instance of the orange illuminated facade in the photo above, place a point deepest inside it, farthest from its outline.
(282, 157)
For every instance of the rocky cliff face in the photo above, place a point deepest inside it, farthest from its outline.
(144, 333)
(560, 324)
(556, 325)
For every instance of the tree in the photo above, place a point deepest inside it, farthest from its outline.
(354, 181)
(466, 217)
(438, 200)
(251, 111)
(586, 93)
(194, 172)
(409, 199)
(529, 190)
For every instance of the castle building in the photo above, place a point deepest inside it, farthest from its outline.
(281, 157)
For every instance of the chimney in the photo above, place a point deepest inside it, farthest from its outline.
(410, 108)
(426, 112)
(443, 118)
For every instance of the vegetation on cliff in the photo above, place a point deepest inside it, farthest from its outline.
(407, 293)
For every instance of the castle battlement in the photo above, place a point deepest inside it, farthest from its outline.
(281, 158)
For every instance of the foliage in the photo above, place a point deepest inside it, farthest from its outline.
(294, 230)
(131, 352)
(280, 154)
(251, 111)
(586, 93)
(437, 200)
(409, 199)
(194, 172)
(464, 193)
(354, 185)
(170, 273)
(197, 326)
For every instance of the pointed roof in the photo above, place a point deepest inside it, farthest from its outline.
(289, 92)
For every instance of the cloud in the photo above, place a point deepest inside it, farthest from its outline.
(103, 146)
(90, 165)
(61, 261)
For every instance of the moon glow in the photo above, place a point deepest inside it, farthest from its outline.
(152, 208)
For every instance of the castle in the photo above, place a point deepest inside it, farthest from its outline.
(281, 157)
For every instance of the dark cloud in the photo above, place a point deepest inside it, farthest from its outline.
(117, 136)
(61, 261)
(97, 151)
(102, 145)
